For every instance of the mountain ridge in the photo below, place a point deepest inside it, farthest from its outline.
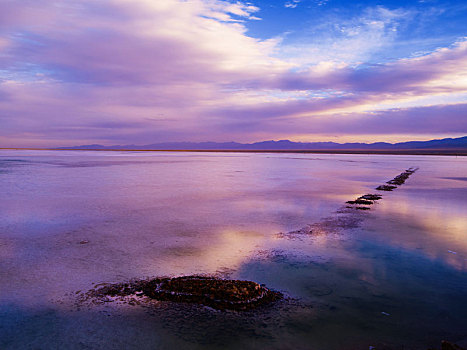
(446, 143)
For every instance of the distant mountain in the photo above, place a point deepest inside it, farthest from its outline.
(444, 144)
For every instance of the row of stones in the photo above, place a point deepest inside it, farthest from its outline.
(369, 199)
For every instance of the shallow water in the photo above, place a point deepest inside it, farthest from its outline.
(397, 279)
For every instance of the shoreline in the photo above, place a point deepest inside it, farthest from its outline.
(433, 152)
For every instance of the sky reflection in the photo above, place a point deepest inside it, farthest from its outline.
(152, 214)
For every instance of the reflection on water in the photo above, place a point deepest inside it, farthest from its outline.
(399, 277)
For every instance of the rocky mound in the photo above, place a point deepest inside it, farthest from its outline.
(217, 293)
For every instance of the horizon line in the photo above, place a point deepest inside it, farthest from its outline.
(431, 152)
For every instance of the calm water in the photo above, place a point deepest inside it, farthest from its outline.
(398, 279)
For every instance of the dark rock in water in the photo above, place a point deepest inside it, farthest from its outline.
(400, 179)
(371, 197)
(363, 201)
(362, 208)
(209, 291)
(360, 201)
(217, 293)
(385, 188)
(396, 181)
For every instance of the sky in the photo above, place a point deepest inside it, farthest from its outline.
(146, 71)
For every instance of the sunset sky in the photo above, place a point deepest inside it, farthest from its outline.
(147, 71)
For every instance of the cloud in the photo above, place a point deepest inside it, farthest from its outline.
(414, 121)
(292, 4)
(350, 40)
(145, 71)
(444, 70)
(134, 41)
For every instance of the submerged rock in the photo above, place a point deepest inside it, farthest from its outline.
(217, 293)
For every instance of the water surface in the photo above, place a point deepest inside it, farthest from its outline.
(398, 279)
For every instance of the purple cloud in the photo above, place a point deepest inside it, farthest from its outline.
(144, 71)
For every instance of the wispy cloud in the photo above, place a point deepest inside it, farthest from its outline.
(351, 41)
(292, 4)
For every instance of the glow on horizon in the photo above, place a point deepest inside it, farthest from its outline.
(139, 72)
